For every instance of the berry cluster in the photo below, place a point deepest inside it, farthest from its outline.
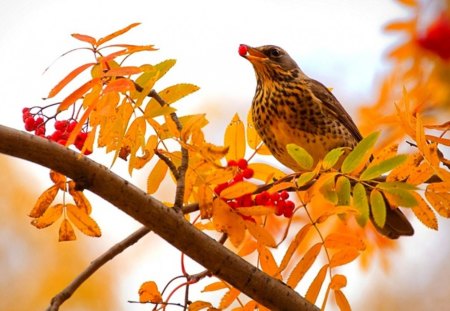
(437, 37)
(63, 129)
(279, 200)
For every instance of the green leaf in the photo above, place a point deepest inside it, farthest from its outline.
(396, 185)
(343, 188)
(332, 157)
(305, 178)
(328, 191)
(361, 204)
(401, 197)
(300, 155)
(383, 167)
(358, 154)
(378, 207)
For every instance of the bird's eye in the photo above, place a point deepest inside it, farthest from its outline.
(275, 53)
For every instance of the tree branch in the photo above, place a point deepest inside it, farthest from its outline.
(152, 213)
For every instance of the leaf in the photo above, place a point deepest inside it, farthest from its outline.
(361, 204)
(77, 94)
(58, 179)
(215, 286)
(303, 265)
(344, 240)
(256, 210)
(343, 188)
(378, 207)
(205, 200)
(332, 157)
(229, 298)
(409, 26)
(72, 75)
(299, 237)
(338, 281)
(44, 201)
(439, 197)
(424, 213)
(301, 156)
(156, 176)
(260, 234)
(238, 189)
(139, 162)
(49, 217)
(66, 232)
(400, 197)
(227, 221)
(193, 123)
(382, 167)
(393, 185)
(267, 261)
(148, 292)
(175, 92)
(199, 305)
(316, 285)
(122, 71)
(84, 38)
(328, 190)
(235, 139)
(116, 34)
(341, 301)
(420, 174)
(356, 157)
(266, 172)
(343, 257)
(80, 199)
(82, 221)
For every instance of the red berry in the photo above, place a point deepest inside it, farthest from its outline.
(289, 205)
(242, 164)
(30, 124)
(437, 37)
(232, 204)
(246, 200)
(278, 210)
(61, 125)
(87, 152)
(243, 50)
(288, 213)
(72, 126)
(284, 195)
(40, 130)
(275, 196)
(231, 163)
(62, 142)
(239, 177)
(26, 115)
(25, 110)
(248, 173)
(219, 188)
(261, 199)
(56, 135)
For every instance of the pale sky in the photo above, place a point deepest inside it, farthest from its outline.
(340, 43)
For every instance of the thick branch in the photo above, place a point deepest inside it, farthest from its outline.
(155, 216)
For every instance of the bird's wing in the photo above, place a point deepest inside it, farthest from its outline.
(334, 107)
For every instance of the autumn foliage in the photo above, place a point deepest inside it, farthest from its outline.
(320, 214)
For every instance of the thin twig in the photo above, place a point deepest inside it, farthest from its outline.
(169, 163)
(67, 292)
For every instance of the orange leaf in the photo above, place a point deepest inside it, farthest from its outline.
(66, 232)
(281, 186)
(229, 298)
(156, 176)
(72, 75)
(84, 38)
(260, 234)
(44, 201)
(303, 265)
(341, 301)
(116, 34)
(199, 305)
(299, 237)
(122, 71)
(238, 189)
(344, 256)
(215, 286)
(316, 285)
(77, 94)
(49, 217)
(439, 197)
(148, 292)
(424, 213)
(205, 200)
(119, 85)
(266, 172)
(235, 139)
(256, 210)
(58, 179)
(82, 221)
(227, 221)
(408, 26)
(439, 140)
(268, 263)
(343, 240)
(80, 199)
(338, 281)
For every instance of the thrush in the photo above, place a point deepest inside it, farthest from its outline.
(289, 107)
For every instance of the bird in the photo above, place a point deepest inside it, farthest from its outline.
(291, 108)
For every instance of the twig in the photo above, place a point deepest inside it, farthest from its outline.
(67, 292)
(169, 163)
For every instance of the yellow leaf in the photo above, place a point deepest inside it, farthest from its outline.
(299, 237)
(148, 292)
(424, 213)
(156, 176)
(341, 301)
(49, 217)
(235, 139)
(253, 140)
(205, 201)
(256, 210)
(82, 221)
(199, 305)
(193, 123)
(229, 298)
(303, 265)
(260, 234)
(58, 179)
(419, 174)
(175, 92)
(344, 240)
(265, 172)
(44, 201)
(80, 199)
(281, 186)
(227, 221)
(220, 176)
(171, 126)
(344, 256)
(238, 189)
(138, 162)
(316, 285)
(300, 155)
(267, 261)
(66, 232)
(135, 136)
(338, 281)
(378, 207)
(438, 194)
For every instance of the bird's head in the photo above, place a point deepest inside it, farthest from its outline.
(270, 61)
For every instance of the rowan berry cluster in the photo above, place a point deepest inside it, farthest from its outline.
(278, 200)
(35, 122)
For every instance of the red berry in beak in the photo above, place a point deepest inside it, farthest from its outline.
(243, 50)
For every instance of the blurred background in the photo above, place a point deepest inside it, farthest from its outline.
(340, 43)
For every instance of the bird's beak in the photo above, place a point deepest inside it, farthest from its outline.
(250, 53)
